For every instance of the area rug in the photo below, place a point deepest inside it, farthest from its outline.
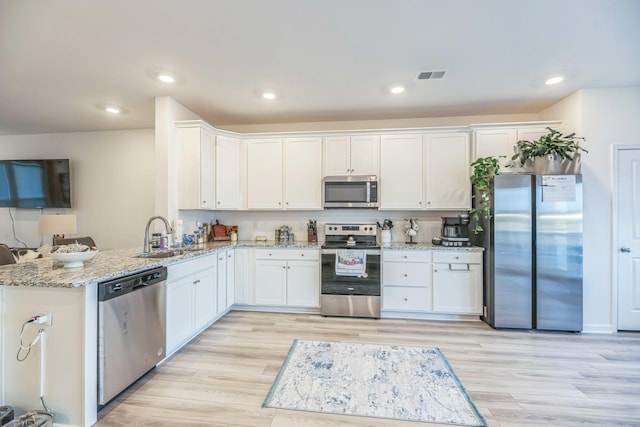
(384, 381)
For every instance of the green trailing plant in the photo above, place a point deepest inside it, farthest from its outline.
(553, 143)
(484, 169)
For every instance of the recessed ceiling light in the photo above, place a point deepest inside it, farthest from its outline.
(269, 95)
(554, 80)
(113, 109)
(396, 89)
(166, 78)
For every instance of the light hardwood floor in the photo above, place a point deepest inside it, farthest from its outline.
(515, 378)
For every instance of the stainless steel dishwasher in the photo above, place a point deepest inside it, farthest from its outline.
(131, 329)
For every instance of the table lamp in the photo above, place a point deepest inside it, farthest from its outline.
(57, 225)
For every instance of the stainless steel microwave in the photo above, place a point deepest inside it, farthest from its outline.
(350, 192)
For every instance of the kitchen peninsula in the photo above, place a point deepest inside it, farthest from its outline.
(411, 289)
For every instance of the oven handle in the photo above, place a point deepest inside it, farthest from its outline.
(367, 251)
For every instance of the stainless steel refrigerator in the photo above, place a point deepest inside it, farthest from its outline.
(533, 252)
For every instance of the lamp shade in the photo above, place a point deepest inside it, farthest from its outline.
(58, 224)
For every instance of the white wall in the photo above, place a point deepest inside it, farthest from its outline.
(604, 117)
(112, 181)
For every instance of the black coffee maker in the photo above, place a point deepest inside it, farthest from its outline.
(455, 230)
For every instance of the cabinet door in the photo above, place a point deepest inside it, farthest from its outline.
(271, 282)
(222, 281)
(335, 151)
(447, 160)
(264, 174)
(457, 288)
(401, 172)
(204, 301)
(498, 143)
(303, 284)
(228, 178)
(303, 176)
(196, 148)
(365, 155)
(245, 276)
(180, 317)
(231, 276)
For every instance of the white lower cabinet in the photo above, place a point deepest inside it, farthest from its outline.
(222, 281)
(286, 277)
(406, 280)
(447, 282)
(457, 282)
(244, 293)
(191, 299)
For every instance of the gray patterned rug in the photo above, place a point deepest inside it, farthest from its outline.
(405, 383)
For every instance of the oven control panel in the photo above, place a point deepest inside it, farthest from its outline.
(350, 229)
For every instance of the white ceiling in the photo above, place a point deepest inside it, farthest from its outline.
(329, 59)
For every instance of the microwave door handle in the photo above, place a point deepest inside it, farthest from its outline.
(368, 192)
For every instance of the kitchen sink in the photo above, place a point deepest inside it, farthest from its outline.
(159, 254)
(166, 253)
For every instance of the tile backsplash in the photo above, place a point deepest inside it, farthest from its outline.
(263, 223)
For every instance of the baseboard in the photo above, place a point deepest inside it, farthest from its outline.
(603, 328)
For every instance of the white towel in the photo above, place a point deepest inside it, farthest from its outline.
(351, 262)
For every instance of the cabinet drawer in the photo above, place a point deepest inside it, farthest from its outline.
(406, 299)
(465, 257)
(288, 254)
(406, 256)
(191, 266)
(406, 274)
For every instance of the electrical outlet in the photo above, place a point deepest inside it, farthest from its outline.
(43, 319)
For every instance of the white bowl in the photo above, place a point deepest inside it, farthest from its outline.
(73, 259)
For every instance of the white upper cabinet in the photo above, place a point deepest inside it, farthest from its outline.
(500, 142)
(351, 155)
(228, 173)
(303, 173)
(196, 176)
(401, 182)
(264, 174)
(284, 174)
(447, 171)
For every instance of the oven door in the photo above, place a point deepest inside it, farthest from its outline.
(333, 284)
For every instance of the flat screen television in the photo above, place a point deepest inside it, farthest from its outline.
(35, 184)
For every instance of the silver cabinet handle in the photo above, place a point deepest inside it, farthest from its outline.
(625, 249)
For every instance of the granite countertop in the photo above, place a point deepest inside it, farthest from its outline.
(431, 246)
(111, 264)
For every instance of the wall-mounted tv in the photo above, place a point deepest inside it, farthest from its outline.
(35, 184)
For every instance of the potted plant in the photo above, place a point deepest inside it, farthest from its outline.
(484, 169)
(552, 153)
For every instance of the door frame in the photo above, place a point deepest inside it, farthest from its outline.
(616, 149)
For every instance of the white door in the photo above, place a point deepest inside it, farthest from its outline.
(264, 175)
(303, 176)
(628, 238)
(401, 172)
(336, 155)
(303, 284)
(365, 155)
(447, 171)
(228, 179)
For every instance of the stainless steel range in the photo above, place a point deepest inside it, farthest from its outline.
(350, 271)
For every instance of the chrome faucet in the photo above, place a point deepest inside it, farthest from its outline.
(147, 246)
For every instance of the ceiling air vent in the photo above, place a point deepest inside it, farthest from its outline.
(431, 75)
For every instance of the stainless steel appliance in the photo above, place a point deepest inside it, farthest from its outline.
(348, 295)
(533, 256)
(131, 329)
(350, 192)
(455, 231)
